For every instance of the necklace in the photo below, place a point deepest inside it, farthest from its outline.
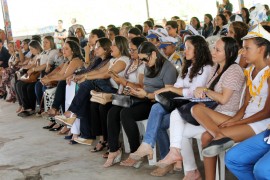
(257, 90)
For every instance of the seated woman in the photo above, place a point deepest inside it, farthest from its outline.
(72, 52)
(8, 74)
(238, 30)
(47, 56)
(97, 79)
(250, 158)
(159, 73)
(225, 84)
(25, 91)
(196, 69)
(133, 77)
(253, 117)
(220, 21)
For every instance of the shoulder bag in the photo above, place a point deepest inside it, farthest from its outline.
(166, 99)
(100, 97)
(126, 101)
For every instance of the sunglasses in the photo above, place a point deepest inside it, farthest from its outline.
(145, 59)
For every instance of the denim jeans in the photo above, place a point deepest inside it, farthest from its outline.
(39, 90)
(157, 125)
(250, 159)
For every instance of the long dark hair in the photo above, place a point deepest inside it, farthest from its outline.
(206, 26)
(202, 57)
(247, 15)
(76, 49)
(231, 53)
(122, 44)
(106, 44)
(148, 48)
(240, 29)
(224, 22)
(198, 23)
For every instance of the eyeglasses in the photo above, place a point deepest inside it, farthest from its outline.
(146, 59)
(168, 28)
(132, 50)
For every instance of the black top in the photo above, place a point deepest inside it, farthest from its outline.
(4, 57)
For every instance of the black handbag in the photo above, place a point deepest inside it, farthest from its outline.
(185, 111)
(126, 101)
(166, 99)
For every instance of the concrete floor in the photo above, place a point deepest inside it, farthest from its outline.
(29, 152)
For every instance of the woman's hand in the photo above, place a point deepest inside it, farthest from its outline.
(79, 79)
(139, 92)
(30, 71)
(166, 89)
(199, 92)
(45, 80)
(119, 80)
(69, 79)
(87, 48)
(229, 122)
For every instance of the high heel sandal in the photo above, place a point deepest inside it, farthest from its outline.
(49, 126)
(144, 150)
(159, 172)
(4, 96)
(113, 158)
(68, 120)
(57, 128)
(11, 100)
(63, 131)
(100, 146)
(195, 174)
(130, 162)
(172, 157)
(19, 109)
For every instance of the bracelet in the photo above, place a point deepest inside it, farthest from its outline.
(85, 76)
(126, 83)
(205, 90)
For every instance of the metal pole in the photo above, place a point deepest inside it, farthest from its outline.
(6, 19)
(147, 9)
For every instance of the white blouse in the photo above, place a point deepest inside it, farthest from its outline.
(197, 81)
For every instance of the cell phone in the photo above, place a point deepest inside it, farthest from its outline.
(18, 44)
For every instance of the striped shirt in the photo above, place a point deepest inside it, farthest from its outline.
(233, 78)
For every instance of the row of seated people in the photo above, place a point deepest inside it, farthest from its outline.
(223, 83)
(138, 68)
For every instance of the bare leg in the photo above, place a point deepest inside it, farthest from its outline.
(210, 167)
(238, 133)
(209, 119)
(209, 162)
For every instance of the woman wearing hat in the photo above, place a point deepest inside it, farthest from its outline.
(253, 117)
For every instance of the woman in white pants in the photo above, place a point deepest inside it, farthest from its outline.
(226, 82)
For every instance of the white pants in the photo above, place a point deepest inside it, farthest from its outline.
(75, 128)
(180, 134)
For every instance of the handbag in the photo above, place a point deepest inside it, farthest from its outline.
(166, 99)
(125, 100)
(100, 97)
(185, 110)
(31, 78)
